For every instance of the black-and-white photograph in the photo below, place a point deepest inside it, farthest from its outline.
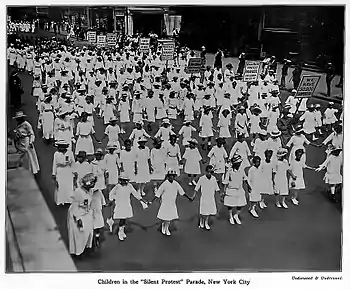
(174, 138)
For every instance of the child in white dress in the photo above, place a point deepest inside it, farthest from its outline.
(333, 165)
(97, 203)
(193, 159)
(138, 133)
(241, 122)
(241, 148)
(266, 184)
(207, 205)
(99, 169)
(164, 131)
(234, 194)
(112, 132)
(80, 168)
(260, 145)
(281, 169)
(143, 168)
(128, 160)
(310, 122)
(120, 195)
(297, 166)
(112, 161)
(224, 124)
(173, 154)
(186, 132)
(167, 193)
(124, 109)
(254, 180)
(218, 157)
(158, 161)
(150, 106)
(206, 128)
(329, 117)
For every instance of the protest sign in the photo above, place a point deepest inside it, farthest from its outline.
(91, 37)
(251, 71)
(194, 65)
(307, 86)
(144, 45)
(168, 48)
(101, 40)
(111, 39)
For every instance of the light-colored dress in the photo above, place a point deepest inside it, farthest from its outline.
(97, 203)
(113, 135)
(310, 122)
(121, 196)
(173, 155)
(206, 125)
(80, 209)
(62, 169)
(241, 149)
(297, 142)
(141, 157)
(168, 192)
(297, 168)
(235, 194)
(333, 166)
(81, 169)
(217, 159)
(158, 159)
(254, 180)
(329, 116)
(224, 125)
(186, 132)
(136, 135)
(99, 169)
(266, 185)
(84, 142)
(124, 107)
(208, 187)
(111, 166)
(47, 120)
(192, 157)
(127, 162)
(281, 181)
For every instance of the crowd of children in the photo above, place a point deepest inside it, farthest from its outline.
(76, 86)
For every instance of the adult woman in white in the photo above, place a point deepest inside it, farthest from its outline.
(80, 217)
(167, 193)
(62, 173)
(85, 133)
(24, 141)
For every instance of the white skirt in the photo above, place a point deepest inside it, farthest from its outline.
(235, 198)
(85, 144)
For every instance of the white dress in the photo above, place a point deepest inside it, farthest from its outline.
(127, 161)
(112, 168)
(208, 187)
(333, 166)
(47, 120)
(113, 135)
(121, 196)
(235, 194)
(266, 185)
(281, 182)
(254, 179)
(224, 125)
(242, 149)
(97, 203)
(186, 132)
(173, 155)
(329, 116)
(310, 122)
(206, 125)
(62, 169)
(84, 143)
(80, 209)
(217, 159)
(168, 193)
(158, 160)
(142, 156)
(99, 169)
(297, 142)
(124, 108)
(297, 169)
(192, 157)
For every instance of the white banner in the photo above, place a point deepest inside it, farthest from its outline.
(251, 71)
(307, 86)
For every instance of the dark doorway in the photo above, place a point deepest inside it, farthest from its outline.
(146, 23)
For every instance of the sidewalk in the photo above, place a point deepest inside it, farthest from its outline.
(34, 242)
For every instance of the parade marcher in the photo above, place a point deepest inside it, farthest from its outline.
(62, 173)
(99, 169)
(138, 133)
(336, 138)
(80, 168)
(208, 186)
(206, 127)
(112, 132)
(158, 162)
(80, 217)
(266, 182)
(234, 194)
(310, 122)
(329, 117)
(167, 193)
(254, 179)
(193, 159)
(24, 142)
(186, 132)
(281, 169)
(285, 67)
(173, 154)
(47, 118)
(218, 157)
(127, 160)
(111, 164)
(333, 165)
(284, 124)
(143, 166)
(297, 166)
(123, 211)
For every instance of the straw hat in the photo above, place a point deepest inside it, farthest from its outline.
(166, 121)
(123, 176)
(99, 152)
(275, 133)
(61, 143)
(88, 179)
(236, 159)
(281, 152)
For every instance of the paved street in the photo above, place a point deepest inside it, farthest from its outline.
(307, 237)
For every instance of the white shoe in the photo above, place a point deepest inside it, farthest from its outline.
(238, 221)
(264, 204)
(143, 194)
(261, 205)
(167, 232)
(284, 205)
(295, 202)
(207, 226)
(194, 183)
(254, 213)
(278, 205)
(120, 235)
(163, 229)
(201, 225)
(190, 184)
(232, 222)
